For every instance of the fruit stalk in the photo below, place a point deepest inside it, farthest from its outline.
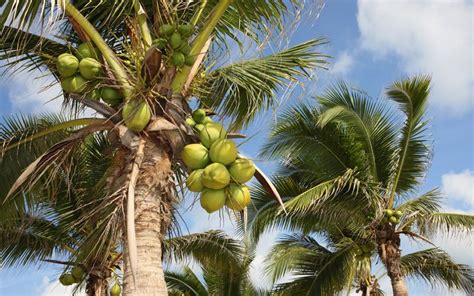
(141, 18)
(181, 77)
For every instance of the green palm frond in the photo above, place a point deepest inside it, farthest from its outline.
(185, 282)
(445, 223)
(243, 89)
(211, 247)
(436, 267)
(426, 203)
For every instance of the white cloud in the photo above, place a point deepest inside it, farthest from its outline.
(343, 64)
(459, 187)
(433, 37)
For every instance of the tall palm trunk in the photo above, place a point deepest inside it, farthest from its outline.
(388, 244)
(154, 194)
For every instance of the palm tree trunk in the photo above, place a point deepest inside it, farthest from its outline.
(154, 194)
(96, 286)
(388, 243)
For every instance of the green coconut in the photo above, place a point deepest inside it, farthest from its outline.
(393, 220)
(185, 49)
(223, 151)
(115, 290)
(199, 115)
(160, 43)
(67, 65)
(87, 50)
(75, 84)
(178, 59)
(199, 127)
(207, 120)
(77, 273)
(190, 121)
(189, 60)
(166, 29)
(398, 213)
(66, 279)
(242, 170)
(111, 96)
(195, 156)
(238, 197)
(194, 182)
(175, 40)
(215, 176)
(211, 132)
(136, 115)
(389, 213)
(90, 68)
(185, 30)
(212, 200)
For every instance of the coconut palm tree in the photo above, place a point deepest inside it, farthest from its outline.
(352, 165)
(148, 90)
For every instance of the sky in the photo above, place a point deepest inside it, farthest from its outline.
(372, 44)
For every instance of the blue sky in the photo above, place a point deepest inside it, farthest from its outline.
(372, 44)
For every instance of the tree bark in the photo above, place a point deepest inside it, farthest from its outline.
(388, 245)
(154, 195)
(96, 286)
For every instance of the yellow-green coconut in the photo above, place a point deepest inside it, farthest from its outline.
(215, 176)
(75, 84)
(238, 197)
(212, 200)
(115, 290)
(77, 273)
(87, 50)
(199, 115)
(111, 96)
(195, 156)
(136, 115)
(242, 170)
(194, 182)
(211, 132)
(67, 65)
(66, 279)
(90, 68)
(223, 151)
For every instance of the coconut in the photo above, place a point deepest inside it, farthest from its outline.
(398, 213)
(189, 60)
(67, 64)
(212, 200)
(136, 115)
(215, 176)
(389, 213)
(175, 40)
(199, 127)
(195, 156)
(166, 29)
(185, 30)
(211, 132)
(115, 290)
(87, 50)
(75, 84)
(242, 170)
(194, 182)
(77, 273)
(199, 115)
(160, 43)
(185, 49)
(190, 121)
(66, 279)
(207, 120)
(90, 68)
(94, 94)
(238, 197)
(223, 151)
(178, 59)
(393, 220)
(111, 96)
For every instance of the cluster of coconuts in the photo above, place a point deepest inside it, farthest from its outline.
(173, 40)
(392, 216)
(216, 173)
(363, 251)
(80, 73)
(73, 277)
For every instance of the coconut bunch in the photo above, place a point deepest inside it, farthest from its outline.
(73, 277)
(363, 251)
(173, 41)
(392, 216)
(216, 171)
(81, 72)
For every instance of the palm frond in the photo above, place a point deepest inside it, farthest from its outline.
(243, 89)
(185, 282)
(446, 223)
(436, 267)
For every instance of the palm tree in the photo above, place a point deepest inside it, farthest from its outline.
(138, 190)
(347, 165)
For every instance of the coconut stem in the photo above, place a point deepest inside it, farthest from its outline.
(141, 18)
(198, 44)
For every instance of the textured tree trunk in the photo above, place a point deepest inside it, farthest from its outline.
(154, 194)
(388, 244)
(96, 286)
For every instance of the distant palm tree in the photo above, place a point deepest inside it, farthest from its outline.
(345, 162)
(138, 191)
